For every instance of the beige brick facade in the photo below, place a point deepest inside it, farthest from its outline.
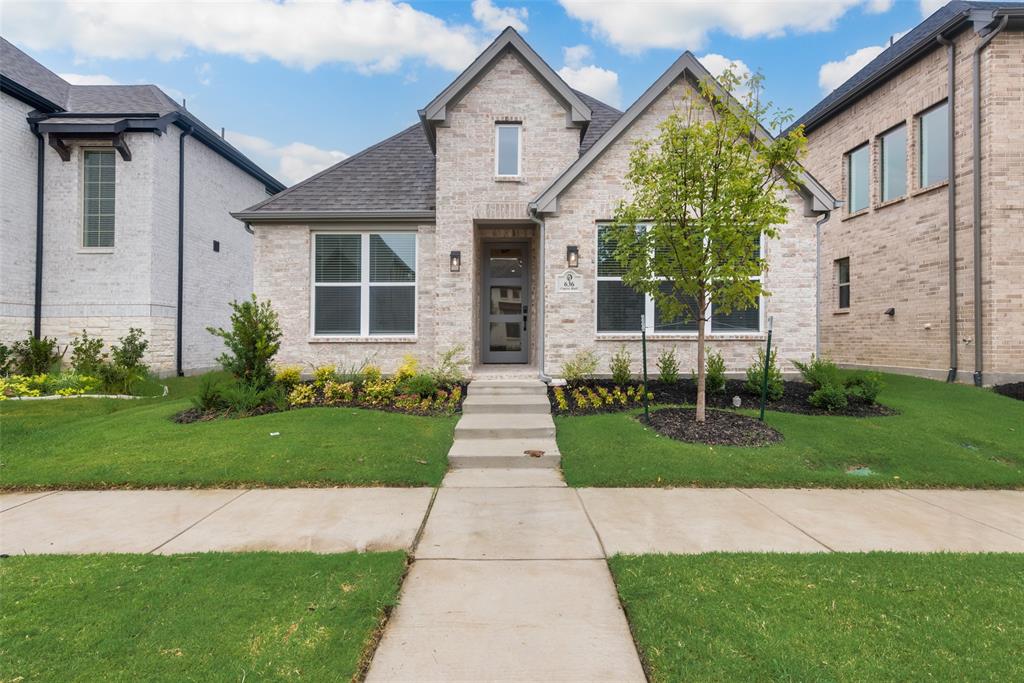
(898, 250)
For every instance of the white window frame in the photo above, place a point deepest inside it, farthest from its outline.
(650, 305)
(364, 285)
(519, 149)
(82, 246)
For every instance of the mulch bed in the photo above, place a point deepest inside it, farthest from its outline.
(1014, 390)
(720, 428)
(794, 399)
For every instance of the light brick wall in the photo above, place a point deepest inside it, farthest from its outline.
(898, 251)
(17, 219)
(570, 319)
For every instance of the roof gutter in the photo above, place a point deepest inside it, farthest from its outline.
(976, 120)
(334, 216)
(37, 306)
(950, 46)
(181, 251)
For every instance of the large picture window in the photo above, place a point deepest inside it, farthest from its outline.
(364, 284)
(619, 308)
(98, 185)
(934, 136)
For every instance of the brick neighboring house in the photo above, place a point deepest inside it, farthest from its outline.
(95, 244)
(470, 227)
(894, 275)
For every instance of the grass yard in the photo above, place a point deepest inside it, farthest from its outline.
(102, 443)
(253, 616)
(835, 617)
(945, 436)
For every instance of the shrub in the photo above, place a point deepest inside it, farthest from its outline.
(209, 397)
(420, 385)
(820, 372)
(36, 356)
(17, 385)
(302, 395)
(6, 360)
(408, 369)
(129, 350)
(560, 401)
(351, 375)
(379, 392)
(448, 371)
(454, 399)
(252, 342)
(755, 377)
(829, 397)
(621, 373)
(323, 375)
(117, 379)
(714, 373)
(86, 354)
(338, 392)
(70, 384)
(288, 376)
(668, 366)
(245, 398)
(864, 385)
(580, 367)
(371, 373)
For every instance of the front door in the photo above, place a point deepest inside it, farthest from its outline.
(505, 304)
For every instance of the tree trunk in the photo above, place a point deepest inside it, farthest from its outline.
(701, 369)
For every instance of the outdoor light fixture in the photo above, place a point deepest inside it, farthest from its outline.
(456, 261)
(572, 256)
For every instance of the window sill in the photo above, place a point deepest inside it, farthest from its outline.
(930, 188)
(841, 311)
(890, 202)
(95, 250)
(509, 179)
(394, 339)
(856, 214)
(690, 336)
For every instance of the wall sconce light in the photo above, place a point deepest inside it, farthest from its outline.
(890, 312)
(572, 256)
(456, 261)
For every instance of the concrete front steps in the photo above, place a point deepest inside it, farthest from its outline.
(501, 421)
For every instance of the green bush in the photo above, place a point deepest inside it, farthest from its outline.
(820, 372)
(36, 356)
(129, 350)
(117, 379)
(621, 373)
(252, 342)
(351, 375)
(829, 397)
(422, 385)
(87, 354)
(714, 373)
(371, 373)
(668, 366)
(245, 398)
(755, 377)
(864, 385)
(6, 360)
(209, 397)
(448, 371)
(323, 375)
(580, 367)
(338, 392)
(302, 395)
(288, 376)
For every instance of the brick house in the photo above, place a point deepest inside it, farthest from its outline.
(922, 271)
(480, 226)
(115, 214)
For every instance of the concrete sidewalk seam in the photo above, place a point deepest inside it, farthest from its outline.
(779, 515)
(593, 527)
(959, 514)
(193, 524)
(423, 524)
(511, 559)
(42, 495)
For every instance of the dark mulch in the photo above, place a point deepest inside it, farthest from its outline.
(1014, 390)
(794, 399)
(720, 428)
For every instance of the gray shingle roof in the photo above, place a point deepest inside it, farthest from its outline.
(30, 74)
(602, 118)
(904, 49)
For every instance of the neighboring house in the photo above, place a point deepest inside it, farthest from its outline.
(923, 269)
(115, 214)
(462, 230)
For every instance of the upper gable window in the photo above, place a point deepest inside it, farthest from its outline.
(893, 150)
(934, 135)
(857, 179)
(506, 145)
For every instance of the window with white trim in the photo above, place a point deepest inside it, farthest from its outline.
(364, 284)
(98, 190)
(507, 153)
(619, 307)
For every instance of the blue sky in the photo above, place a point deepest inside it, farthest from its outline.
(299, 85)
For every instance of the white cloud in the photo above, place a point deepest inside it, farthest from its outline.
(371, 35)
(88, 79)
(717, 64)
(593, 80)
(495, 19)
(685, 24)
(290, 163)
(831, 75)
(204, 72)
(879, 6)
(928, 7)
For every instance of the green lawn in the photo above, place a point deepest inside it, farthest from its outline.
(100, 443)
(836, 617)
(945, 436)
(208, 617)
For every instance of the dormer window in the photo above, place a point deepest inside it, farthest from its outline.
(507, 154)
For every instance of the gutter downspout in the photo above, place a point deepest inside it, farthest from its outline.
(817, 281)
(978, 352)
(541, 281)
(951, 376)
(187, 131)
(37, 307)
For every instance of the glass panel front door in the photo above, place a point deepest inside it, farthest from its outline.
(505, 303)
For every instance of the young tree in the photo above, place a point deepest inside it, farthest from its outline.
(252, 342)
(703, 192)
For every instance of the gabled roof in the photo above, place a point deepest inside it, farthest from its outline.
(917, 42)
(436, 112)
(138, 107)
(687, 64)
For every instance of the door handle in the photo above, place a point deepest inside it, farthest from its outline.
(525, 310)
